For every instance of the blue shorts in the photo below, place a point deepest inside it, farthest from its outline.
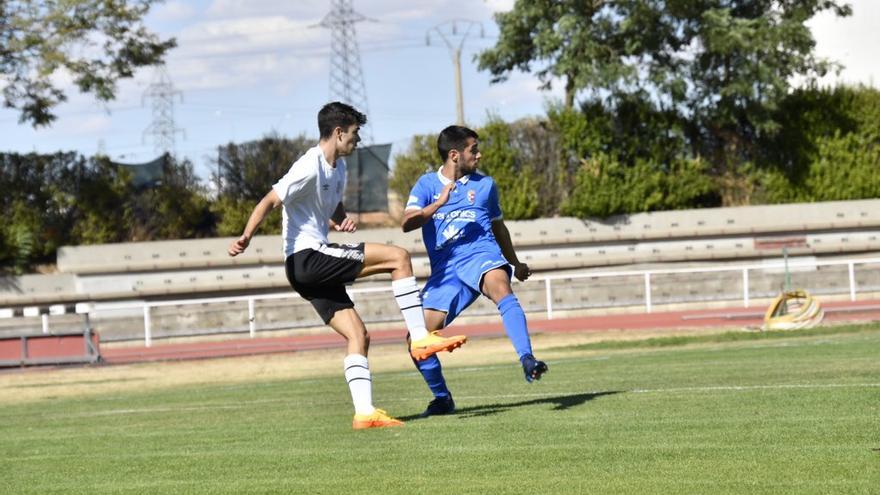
(453, 286)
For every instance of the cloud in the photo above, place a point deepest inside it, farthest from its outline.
(88, 126)
(259, 51)
(521, 89)
(236, 9)
(248, 35)
(174, 12)
(499, 5)
(384, 11)
(850, 41)
(258, 71)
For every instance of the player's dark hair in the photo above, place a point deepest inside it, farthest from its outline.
(454, 137)
(338, 114)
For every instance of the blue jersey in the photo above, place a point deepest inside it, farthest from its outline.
(464, 223)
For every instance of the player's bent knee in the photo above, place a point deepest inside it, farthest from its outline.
(496, 287)
(402, 259)
(403, 256)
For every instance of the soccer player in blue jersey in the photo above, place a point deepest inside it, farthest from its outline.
(470, 251)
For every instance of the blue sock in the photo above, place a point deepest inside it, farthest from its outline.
(432, 372)
(515, 324)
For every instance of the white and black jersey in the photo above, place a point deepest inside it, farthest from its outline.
(310, 191)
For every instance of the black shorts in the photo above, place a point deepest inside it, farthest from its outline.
(319, 275)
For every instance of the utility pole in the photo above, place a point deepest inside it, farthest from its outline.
(162, 94)
(346, 75)
(454, 33)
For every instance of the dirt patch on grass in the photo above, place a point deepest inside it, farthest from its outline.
(34, 384)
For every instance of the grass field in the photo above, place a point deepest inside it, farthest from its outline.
(744, 413)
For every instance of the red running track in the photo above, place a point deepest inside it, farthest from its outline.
(711, 318)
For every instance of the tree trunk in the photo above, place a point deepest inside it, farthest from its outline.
(569, 92)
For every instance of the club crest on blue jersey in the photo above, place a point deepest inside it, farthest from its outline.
(472, 195)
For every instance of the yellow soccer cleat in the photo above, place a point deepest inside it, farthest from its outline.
(377, 419)
(434, 343)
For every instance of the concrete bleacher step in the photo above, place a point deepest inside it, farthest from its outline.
(184, 267)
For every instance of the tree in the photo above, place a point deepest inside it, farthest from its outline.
(828, 149)
(247, 172)
(714, 69)
(176, 208)
(95, 42)
(750, 51)
(421, 157)
(576, 39)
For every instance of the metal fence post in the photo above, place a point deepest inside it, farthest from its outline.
(148, 331)
(44, 319)
(252, 318)
(549, 298)
(852, 281)
(648, 291)
(745, 287)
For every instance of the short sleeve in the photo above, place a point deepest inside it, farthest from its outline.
(494, 205)
(419, 197)
(299, 181)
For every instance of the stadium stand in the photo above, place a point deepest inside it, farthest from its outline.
(186, 269)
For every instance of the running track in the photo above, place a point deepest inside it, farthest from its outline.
(712, 318)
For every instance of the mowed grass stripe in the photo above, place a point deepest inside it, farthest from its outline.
(732, 417)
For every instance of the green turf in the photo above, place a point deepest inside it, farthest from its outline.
(732, 336)
(794, 414)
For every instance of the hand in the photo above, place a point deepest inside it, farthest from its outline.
(521, 271)
(346, 225)
(444, 194)
(239, 245)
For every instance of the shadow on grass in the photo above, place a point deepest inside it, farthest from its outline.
(561, 403)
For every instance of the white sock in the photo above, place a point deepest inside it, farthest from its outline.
(406, 292)
(357, 374)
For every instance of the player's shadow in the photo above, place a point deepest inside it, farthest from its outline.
(561, 403)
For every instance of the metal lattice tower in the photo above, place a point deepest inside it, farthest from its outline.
(346, 75)
(162, 94)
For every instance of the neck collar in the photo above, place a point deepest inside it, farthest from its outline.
(445, 180)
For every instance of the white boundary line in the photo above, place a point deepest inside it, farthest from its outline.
(562, 394)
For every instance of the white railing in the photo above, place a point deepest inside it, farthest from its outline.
(548, 280)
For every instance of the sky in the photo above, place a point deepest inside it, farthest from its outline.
(245, 69)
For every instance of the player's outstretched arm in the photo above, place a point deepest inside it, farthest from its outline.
(520, 270)
(341, 221)
(414, 219)
(269, 202)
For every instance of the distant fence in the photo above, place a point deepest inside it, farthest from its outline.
(548, 294)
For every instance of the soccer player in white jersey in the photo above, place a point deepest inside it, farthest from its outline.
(311, 193)
(470, 251)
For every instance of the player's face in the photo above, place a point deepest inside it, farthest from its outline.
(469, 157)
(347, 139)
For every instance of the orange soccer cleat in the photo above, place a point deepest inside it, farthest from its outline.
(434, 343)
(377, 419)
